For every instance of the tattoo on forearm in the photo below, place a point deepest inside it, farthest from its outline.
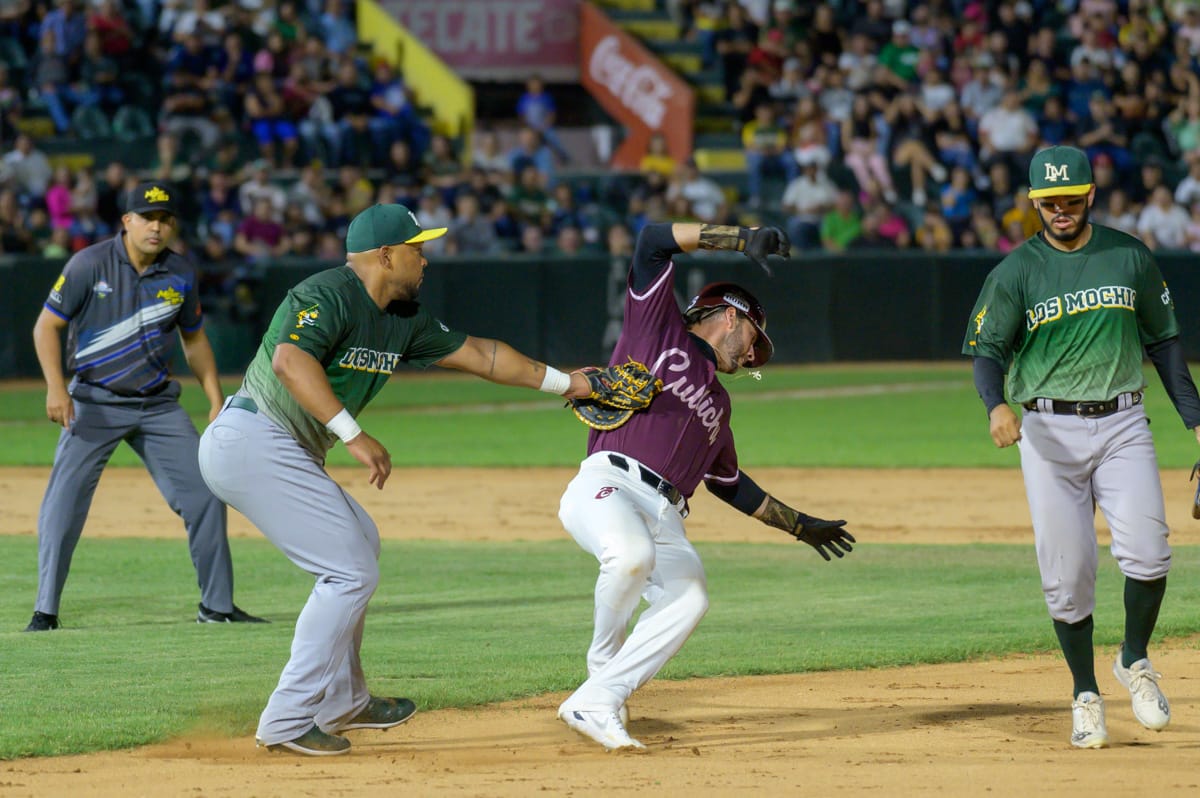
(779, 515)
(721, 236)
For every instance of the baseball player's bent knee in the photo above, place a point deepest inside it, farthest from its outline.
(1068, 606)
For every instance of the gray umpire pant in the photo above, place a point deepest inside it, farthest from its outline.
(162, 434)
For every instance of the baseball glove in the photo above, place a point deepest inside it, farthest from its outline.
(1196, 496)
(617, 393)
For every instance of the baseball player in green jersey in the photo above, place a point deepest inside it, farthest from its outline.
(330, 348)
(1067, 315)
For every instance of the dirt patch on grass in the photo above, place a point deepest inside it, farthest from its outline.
(997, 727)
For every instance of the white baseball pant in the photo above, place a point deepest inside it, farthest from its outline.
(638, 537)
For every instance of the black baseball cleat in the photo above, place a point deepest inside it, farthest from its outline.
(42, 622)
(205, 615)
(382, 713)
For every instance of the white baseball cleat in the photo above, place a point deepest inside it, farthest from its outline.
(1150, 706)
(603, 726)
(1087, 727)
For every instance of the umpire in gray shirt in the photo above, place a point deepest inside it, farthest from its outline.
(121, 301)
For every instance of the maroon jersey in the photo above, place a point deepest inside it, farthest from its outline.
(684, 435)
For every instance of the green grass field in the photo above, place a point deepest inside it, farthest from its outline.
(460, 624)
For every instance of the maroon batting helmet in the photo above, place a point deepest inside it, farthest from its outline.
(718, 295)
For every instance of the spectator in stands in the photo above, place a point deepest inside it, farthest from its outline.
(1009, 134)
(486, 152)
(357, 190)
(862, 145)
(1106, 134)
(1163, 224)
(1053, 125)
(533, 240)
(87, 226)
(471, 233)
(872, 23)
(27, 169)
(432, 211)
(111, 194)
(15, 238)
(1117, 213)
(933, 234)
(765, 143)
(201, 20)
(952, 141)
(187, 107)
(810, 133)
(733, 44)
(394, 117)
(100, 77)
(1149, 178)
(957, 200)
(806, 200)
(658, 157)
(1023, 214)
(568, 241)
(58, 199)
(221, 208)
(1104, 177)
(67, 27)
(51, 74)
(233, 65)
(791, 86)
(273, 129)
(981, 93)
(882, 228)
(1192, 234)
(531, 151)
(107, 20)
(441, 168)
(911, 142)
(536, 108)
(900, 56)
(260, 186)
(841, 224)
(528, 199)
(336, 28)
(310, 194)
(1187, 193)
(1182, 125)
(982, 231)
(705, 197)
(259, 236)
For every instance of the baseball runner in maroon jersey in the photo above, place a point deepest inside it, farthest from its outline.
(627, 504)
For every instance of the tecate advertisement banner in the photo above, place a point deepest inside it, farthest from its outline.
(634, 87)
(500, 40)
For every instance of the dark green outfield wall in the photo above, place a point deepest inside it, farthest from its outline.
(821, 308)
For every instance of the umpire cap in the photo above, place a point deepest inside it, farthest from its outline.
(717, 295)
(152, 195)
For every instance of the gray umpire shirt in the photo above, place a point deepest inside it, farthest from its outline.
(120, 337)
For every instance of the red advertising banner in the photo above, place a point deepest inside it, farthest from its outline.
(635, 88)
(499, 40)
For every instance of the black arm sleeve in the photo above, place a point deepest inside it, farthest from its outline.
(745, 494)
(989, 381)
(1168, 360)
(655, 246)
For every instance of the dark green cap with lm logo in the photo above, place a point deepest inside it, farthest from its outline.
(1059, 171)
(386, 226)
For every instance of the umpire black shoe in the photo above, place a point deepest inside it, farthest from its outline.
(205, 615)
(42, 622)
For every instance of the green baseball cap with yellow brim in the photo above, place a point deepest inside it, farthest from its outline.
(385, 226)
(1059, 171)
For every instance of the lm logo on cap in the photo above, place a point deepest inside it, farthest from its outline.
(156, 194)
(1056, 173)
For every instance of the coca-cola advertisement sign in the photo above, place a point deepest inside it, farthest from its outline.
(635, 88)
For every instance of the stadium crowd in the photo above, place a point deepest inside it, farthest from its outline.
(877, 124)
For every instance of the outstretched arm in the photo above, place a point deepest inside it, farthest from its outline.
(825, 536)
(658, 242)
(498, 362)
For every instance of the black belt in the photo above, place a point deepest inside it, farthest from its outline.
(664, 488)
(1086, 409)
(244, 403)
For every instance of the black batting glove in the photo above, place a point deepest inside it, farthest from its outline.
(763, 241)
(827, 537)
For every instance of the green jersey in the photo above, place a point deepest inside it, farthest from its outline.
(333, 318)
(1072, 325)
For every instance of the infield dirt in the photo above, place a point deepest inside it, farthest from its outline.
(979, 728)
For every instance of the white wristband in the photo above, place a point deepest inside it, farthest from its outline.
(555, 381)
(344, 426)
